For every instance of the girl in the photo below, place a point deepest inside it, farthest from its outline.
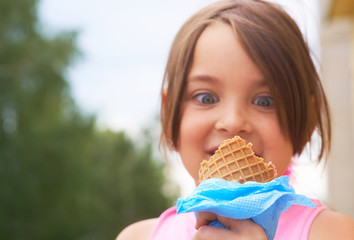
(241, 67)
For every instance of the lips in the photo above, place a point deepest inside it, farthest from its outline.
(211, 151)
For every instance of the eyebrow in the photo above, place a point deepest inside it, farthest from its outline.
(261, 82)
(202, 78)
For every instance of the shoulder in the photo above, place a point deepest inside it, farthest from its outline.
(332, 225)
(140, 230)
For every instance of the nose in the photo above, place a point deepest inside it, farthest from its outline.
(233, 120)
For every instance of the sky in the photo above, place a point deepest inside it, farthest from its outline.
(124, 47)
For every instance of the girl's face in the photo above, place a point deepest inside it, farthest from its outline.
(227, 95)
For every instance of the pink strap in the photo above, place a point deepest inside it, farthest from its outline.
(172, 226)
(296, 222)
(162, 219)
(310, 218)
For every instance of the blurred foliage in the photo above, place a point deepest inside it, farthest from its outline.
(60, 177)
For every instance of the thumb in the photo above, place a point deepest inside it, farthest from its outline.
(204, 218)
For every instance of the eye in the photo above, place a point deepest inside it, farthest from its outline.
(206, 98)
(264, 101)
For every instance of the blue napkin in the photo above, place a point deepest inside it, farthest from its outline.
(262, 202)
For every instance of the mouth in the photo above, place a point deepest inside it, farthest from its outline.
(257, 154)
(211, 152)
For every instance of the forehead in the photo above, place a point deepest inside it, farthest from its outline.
(219, 54)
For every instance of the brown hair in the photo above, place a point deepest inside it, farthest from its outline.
(275, 43)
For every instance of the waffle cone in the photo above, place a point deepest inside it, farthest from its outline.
(235, 161)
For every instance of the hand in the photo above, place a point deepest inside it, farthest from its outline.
(239, 229)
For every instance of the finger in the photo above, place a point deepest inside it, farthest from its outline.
(235, 224)
(245, 228)
(213, 233)
(204, 218)
(244, 225)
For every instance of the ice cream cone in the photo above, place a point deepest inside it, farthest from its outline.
(235, 161)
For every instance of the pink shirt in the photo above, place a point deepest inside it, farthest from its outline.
(294, 224)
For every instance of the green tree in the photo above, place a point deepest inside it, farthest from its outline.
(128, 184)
(61, 178)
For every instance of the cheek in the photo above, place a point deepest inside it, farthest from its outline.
(283, 159)
(190, 145)
(192, 127)
(280, 147)
(277, 148)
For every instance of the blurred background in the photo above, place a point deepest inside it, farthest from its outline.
(79, 106)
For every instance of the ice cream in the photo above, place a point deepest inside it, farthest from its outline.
(235, 161)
